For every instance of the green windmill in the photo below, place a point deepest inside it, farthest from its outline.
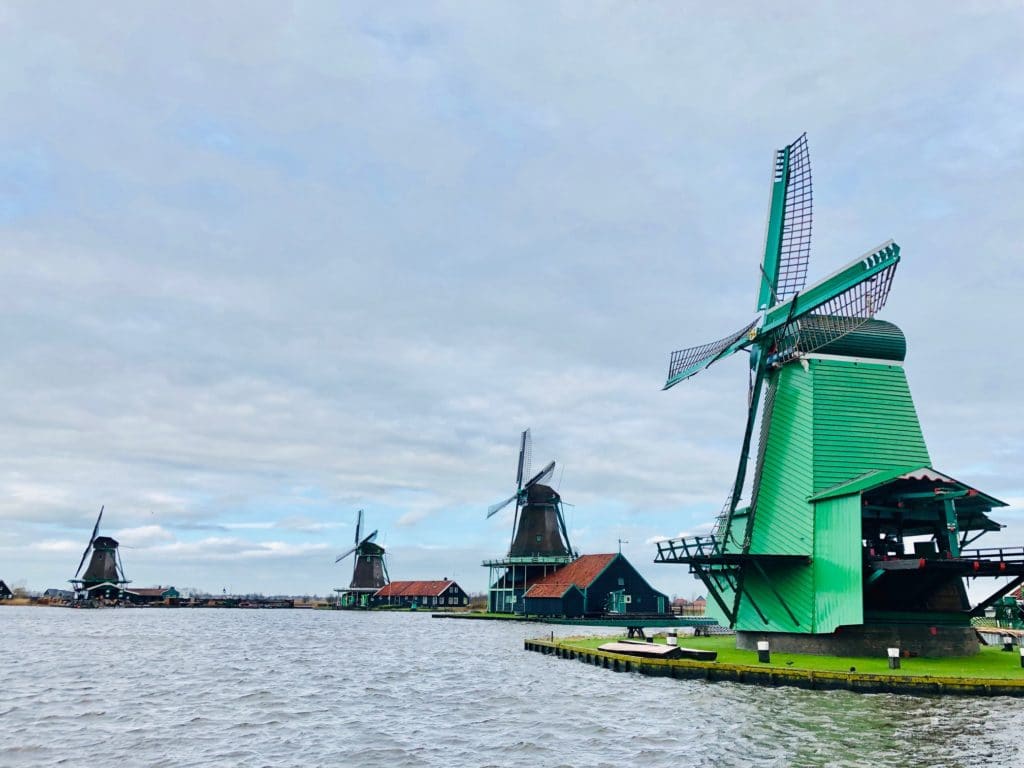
(850, 541)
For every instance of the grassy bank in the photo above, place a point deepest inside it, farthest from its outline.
(991, 663)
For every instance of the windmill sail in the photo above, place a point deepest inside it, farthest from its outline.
(845, 313)
(684, 363)
(795, 248)
(92, 538)
(787, 247)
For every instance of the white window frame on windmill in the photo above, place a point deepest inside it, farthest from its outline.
(627, 599)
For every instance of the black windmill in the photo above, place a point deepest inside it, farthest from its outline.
(369, 571)
(540, 540)
(104, 577)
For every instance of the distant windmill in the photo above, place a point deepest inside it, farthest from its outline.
(540, 540)
(369, 571)
(538, 526)
(105, 575)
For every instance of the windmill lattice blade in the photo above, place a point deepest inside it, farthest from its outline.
(522, 457)
(495, 508)
(795, 251)
(543, 476)
(339, 558)
(686, 362)
(359, 525)
(96, 528)
(92, 538)
(82, 561)
(527, 457)
(367, 540)
(844, 313)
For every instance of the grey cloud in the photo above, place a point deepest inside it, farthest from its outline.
(356, 251)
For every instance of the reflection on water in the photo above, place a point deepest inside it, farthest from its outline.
(308, 688)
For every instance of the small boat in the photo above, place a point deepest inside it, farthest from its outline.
(657, 651)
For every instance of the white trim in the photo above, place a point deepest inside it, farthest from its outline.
(847, 358)
(866, 259)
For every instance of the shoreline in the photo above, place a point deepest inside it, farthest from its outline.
(780, 673)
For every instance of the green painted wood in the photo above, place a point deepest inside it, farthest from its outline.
(795, 583)
(876, 339)
(830, 422)
(769, 281)
(783, 525)
(837, 566)
(853, 274)
(864, 420)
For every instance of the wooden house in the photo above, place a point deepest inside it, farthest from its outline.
(5, 591)
(153, 595)
(555, 599)
(593, 585)
(422, 594)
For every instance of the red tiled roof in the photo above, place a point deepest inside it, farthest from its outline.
(549, 589)
(582, 571)
(413, 589)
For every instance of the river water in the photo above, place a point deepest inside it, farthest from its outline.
(215, 687)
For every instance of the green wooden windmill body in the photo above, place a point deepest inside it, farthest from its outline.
(826, 423)
(843, 498)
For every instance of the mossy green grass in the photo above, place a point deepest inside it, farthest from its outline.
(991, 663)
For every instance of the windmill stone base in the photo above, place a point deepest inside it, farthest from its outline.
(870, 640)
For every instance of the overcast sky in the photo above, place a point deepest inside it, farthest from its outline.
(264, 264)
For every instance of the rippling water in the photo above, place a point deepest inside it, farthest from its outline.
(196, 687)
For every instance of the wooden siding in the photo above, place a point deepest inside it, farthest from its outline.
(838, 571)
(644, 598)
(782, 524)
(864, 419)
(795, 583)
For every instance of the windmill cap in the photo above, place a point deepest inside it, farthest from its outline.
(872, 339)
(542, 494)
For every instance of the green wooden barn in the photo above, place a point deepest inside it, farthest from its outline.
(593, 585)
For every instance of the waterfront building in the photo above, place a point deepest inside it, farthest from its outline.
(421, 594)
(593, 585)
(153, 595)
